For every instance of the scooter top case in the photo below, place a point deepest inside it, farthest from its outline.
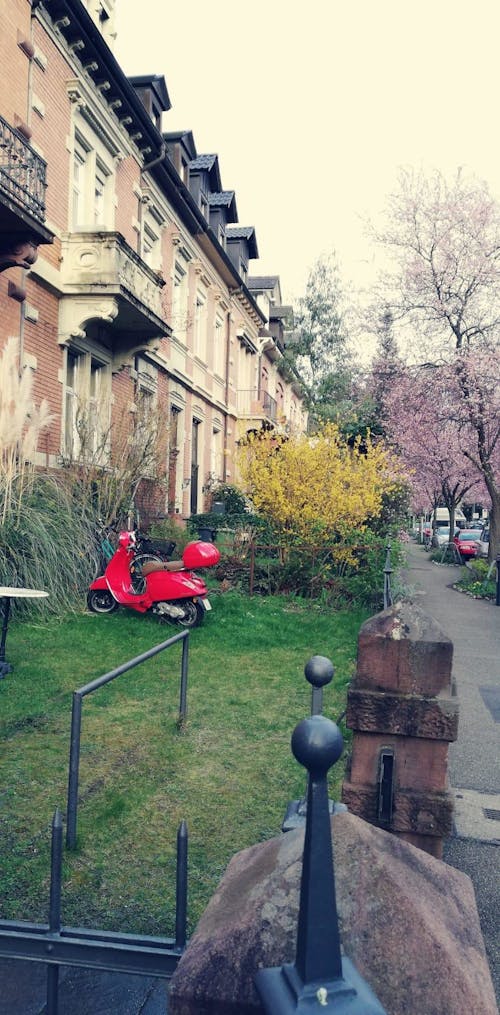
(198, 554)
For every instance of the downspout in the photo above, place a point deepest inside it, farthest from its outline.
(159, 158)
(226, 394)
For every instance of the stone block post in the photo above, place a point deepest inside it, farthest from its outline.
(403, 709)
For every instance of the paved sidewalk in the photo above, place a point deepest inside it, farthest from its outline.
(474, 628)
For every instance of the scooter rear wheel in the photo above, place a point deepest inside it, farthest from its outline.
(101, 601)
(193, 614)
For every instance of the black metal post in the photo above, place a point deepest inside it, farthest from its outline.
(498, 581)
(320, 976)
(76, 720)
(74, 765)
(5, 667)
(319, 672)
(387, 578)
(54, 910)
(184, 678)
(181, 887)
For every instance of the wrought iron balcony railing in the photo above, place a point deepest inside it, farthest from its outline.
(22, 172)
(250, 404)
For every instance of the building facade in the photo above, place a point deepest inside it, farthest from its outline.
(124, 270)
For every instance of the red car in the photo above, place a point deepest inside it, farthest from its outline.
(466, 542)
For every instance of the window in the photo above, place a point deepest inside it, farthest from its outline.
(219, 350)
(150, 247)
(199, 339)
(100, 180)
(173, 456)
(184, 171)
(179, 301)
(216, 457)
(92, 198)
(86, 406)
(79, 171)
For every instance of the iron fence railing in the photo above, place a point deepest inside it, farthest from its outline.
(313, 570)
(23, 173)
(387, 578)
(76, 720)
(56, 945)
(251, 404)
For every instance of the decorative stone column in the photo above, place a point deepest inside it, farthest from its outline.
(403, 709)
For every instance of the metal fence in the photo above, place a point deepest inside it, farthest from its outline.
(316, 571)
(76, 720)
(107, 951)
(388, 570)
(56, 945)
(22, 171)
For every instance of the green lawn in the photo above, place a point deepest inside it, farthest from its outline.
(229, 772)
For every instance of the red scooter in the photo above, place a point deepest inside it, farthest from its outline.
(167, 589)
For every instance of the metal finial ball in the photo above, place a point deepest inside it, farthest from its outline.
(319, 671)
(317, 743)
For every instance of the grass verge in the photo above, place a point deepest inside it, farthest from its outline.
(229, 772)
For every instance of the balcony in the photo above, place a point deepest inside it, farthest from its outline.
(263, 407)
(104, 279)
(22, 172)
(22, 199)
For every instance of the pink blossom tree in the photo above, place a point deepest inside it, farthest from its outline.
(425, 432)
(444, 284)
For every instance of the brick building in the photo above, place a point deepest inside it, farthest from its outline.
(125, 272)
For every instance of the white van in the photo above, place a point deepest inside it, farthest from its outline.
(443, 518)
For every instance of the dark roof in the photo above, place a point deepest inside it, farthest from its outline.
(157, 84)
(244, 233)
(280, 312)
(182, 137)
(203, 162)
(262, 281)
(224, 197)
(240, 232)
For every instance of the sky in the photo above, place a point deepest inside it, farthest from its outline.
(312, 107)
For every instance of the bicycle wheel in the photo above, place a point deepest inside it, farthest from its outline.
(138, 580)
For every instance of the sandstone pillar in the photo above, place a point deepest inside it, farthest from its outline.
(403, 709)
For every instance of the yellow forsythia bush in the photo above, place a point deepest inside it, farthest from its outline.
(315, 486)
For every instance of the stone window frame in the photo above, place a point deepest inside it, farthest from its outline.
(79, 396)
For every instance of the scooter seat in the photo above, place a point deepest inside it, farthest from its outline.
(168, 565)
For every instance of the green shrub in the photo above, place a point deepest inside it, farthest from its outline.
(475, 580)
(234, 501)
(47, 541)
(317, 572)
(168, 528)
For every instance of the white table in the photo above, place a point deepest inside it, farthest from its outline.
(7, 593)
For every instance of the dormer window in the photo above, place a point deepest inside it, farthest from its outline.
(243, 270)
(204, 206)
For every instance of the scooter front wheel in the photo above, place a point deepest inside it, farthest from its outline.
(193, 614)
(101, 601)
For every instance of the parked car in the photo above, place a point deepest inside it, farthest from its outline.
(466, 543)
(483, 542)
(442, 537)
